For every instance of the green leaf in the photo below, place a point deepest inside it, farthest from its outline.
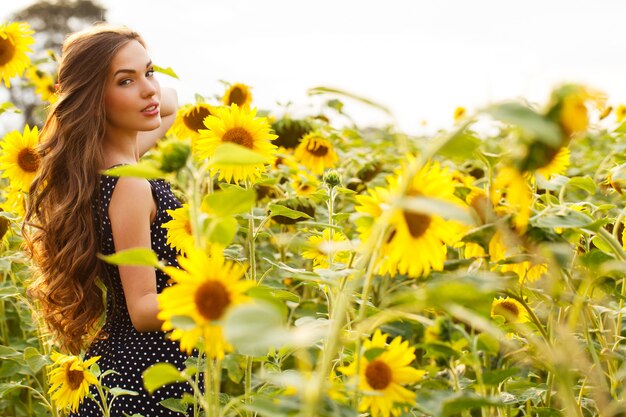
(116, 391)
(497, 376)
(142, 169)
(601, 244)
(328, 90)
(167, 71)
(9, 107)
(279, 210)
(461, 145)
(436, 207)
(134, 256)
(34, 359)
(563, 217)
(488, 343)
(159, 375)
(229, 202)
(183, 322)
(528, 120)
(373, 353)
(254, 328)
(222, 230)
(175, 404)
(584, 183)
(232, 154)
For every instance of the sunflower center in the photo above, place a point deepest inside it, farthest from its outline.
(237, 96)
(194, 119)
(378, 374)
(74, 378)
(508, 308)
(28, 160)
(240, 136)
(212, 300)
(316, 149)
(7, 50)
(417, 223)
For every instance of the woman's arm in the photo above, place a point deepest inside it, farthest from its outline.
(131, 211)
(169, 105)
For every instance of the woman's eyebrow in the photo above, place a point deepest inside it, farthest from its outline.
(130, 71)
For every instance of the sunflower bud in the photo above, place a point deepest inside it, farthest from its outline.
(290, 132)
(369, 171)
(174, 155)
(298, 204)
(332, 178)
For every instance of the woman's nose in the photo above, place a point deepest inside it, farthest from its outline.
(149, 88)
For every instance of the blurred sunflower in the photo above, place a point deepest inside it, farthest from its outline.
(14, 41)
(304, 184)
(70, 379)
(381, 377)
(316, 153)
(43, 83)
(417, 242)
(204, 290)
(459, 114)
(20, 160)
(238, 94)
(325, 246)
(179, 234)
(512, 310)
(620, 113)
(511, 194)
(238, 125)
(557, 165)
(527, 271)
(14, 201)
(189, 120)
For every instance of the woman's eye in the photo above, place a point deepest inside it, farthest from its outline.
(125, 82)
(150, 73)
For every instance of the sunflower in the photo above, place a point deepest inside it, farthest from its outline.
(44, 84)
(525, 270)
(179, 234)
(204, 290)
(14, 41)
(325, 246)
(459, 114)
(14, 201)
(511, 194)
(416, 242)
(381, 377)
(238, 94)
(512, 310)
(620, 113)
(557, 165)
(316, 153)
(189, 120)
(70, 379)
(304, 184)
(20, 160)
(238, 125)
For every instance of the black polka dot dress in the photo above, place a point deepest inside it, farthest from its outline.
(127, 351)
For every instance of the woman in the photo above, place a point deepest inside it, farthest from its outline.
(110, 111)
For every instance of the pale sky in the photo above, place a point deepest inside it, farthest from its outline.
(421, 59)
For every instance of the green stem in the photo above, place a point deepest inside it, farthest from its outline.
(248, 387)
(103, 405)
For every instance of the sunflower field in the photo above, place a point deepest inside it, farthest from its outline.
(331, 269)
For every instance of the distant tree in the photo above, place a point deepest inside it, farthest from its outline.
(52, 21)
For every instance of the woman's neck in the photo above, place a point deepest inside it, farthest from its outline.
(120, 148)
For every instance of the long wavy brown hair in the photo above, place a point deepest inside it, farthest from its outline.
(60, 230)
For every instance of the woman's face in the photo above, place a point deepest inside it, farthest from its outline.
(132, 93)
